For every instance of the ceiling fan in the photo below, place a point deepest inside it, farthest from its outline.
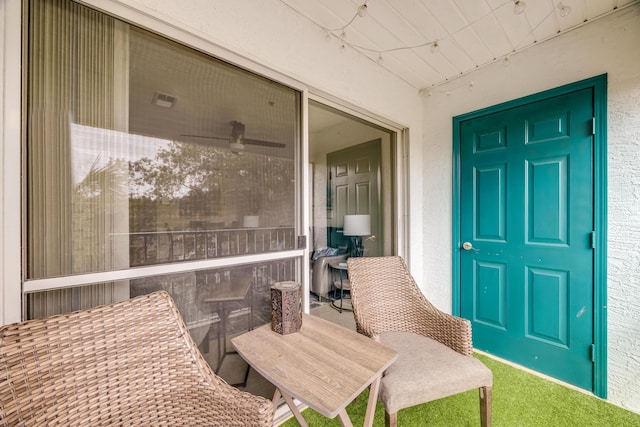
(237, 141)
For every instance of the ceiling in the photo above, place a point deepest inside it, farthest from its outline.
(469, 34)
(202, 113)
(429, 42)
(208, 96)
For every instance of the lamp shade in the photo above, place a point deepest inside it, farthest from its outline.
(357, 225)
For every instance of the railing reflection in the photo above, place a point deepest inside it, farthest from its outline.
(210, 312)
(148, 248)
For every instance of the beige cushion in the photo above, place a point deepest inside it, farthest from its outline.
(427, 370)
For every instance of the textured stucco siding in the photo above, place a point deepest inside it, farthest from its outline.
(624, 237)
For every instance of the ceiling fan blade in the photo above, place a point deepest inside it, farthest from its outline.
(205, 137)
(263, 143)
(237, 137)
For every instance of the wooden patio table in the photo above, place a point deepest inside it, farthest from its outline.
(324, 365)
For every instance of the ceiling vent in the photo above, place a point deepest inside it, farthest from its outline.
(163, 100)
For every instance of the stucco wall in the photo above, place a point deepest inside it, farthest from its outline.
(609, 45)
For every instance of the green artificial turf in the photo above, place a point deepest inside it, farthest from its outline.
(520, 399)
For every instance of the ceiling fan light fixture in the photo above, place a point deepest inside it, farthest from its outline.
(237, 130)
(236, 147)
(236, 144)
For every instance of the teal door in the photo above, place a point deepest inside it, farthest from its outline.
(526, 227)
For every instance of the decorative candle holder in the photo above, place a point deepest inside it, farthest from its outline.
(286, 307)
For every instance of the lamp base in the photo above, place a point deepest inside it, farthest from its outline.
(357, 250)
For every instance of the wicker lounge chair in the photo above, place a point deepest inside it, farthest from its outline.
(129, 363)
(435, 353)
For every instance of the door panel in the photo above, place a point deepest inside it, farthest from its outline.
(491, 296)
(491, 207)
(527, 209)
(547, 219)
(363, 196)
(341, 205)
(354, 175)
(547, 305)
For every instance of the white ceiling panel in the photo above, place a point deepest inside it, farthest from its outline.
(542, 18)
(420, 19)
(469, 33)
(474, 48)
(598, 7)
(473, 10)
(386, 16)
(546, 28)
(447, 14)
(457, 57)
(494, 4)
(368, 33)
(411, 71)
(442, 65)
(492, 35)
(515, 27)
(320, 14)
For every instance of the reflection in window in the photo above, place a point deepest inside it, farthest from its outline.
(178, 201)
(216, 304)
(142, 151)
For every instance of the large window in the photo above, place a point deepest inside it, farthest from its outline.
(141, 152)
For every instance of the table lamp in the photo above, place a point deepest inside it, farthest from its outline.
(356, 226)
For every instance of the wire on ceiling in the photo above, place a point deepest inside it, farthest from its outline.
(519, 7)
(341, 32)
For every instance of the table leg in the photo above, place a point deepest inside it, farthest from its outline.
(341, 291)
(291, 404)
(344, 418)
(342, 415)
(371, 404)
(222, 345)
(276, 398)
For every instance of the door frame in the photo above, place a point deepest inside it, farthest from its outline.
(399, 163)
(598, 84)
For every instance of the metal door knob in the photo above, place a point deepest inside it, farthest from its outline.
(467, 246)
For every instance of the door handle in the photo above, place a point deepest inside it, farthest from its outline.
(467, 246)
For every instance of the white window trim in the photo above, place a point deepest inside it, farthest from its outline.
(156, 270)
(10, 143)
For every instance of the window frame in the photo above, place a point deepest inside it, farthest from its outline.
(11, 252)
(83, 279)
